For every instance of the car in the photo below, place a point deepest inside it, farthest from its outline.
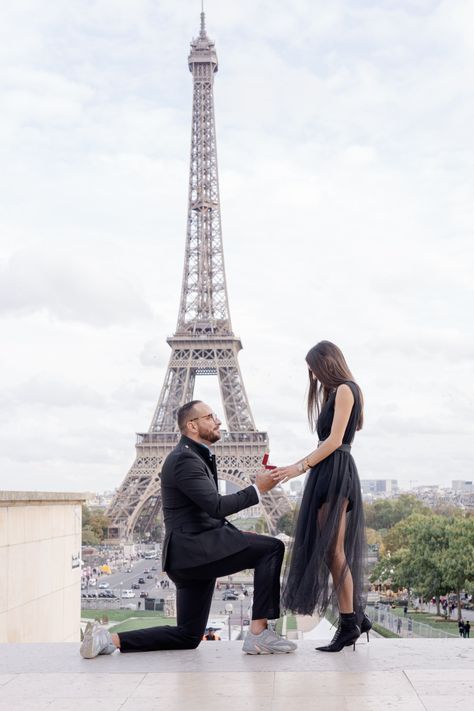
(127, 594)
(149, 577)
(154, 567)
(141, 581)
(135, 586)
(104, 586)
(229, 595)
(143, 593)
(146, 570)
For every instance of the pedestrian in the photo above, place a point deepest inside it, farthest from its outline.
(405, 610)
(467, 628)
(461, 628)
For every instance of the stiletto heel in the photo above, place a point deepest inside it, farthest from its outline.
(364, 623)
(354, 647)
(348, 632)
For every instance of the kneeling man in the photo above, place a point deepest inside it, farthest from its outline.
(201, 545)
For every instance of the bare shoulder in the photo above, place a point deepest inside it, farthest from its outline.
(344, 395)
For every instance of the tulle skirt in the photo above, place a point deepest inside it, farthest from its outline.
(307, 582)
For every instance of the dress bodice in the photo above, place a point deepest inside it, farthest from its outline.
(326, 415)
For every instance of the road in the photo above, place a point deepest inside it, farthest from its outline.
(123, 581)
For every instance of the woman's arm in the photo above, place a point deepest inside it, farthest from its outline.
(342, 412)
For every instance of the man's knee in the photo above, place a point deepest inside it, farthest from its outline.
(279, 547)
(191, 640)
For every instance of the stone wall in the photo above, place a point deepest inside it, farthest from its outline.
(40, 573)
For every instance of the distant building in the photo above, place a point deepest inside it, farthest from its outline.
(379, 487)
(462, 486)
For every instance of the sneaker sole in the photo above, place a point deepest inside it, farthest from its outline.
(87, 647)
(260, 650)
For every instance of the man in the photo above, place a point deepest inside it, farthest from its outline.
(200, 545)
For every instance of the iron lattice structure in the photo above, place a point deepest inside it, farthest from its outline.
(204, 343)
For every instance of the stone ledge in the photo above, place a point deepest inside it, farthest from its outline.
(400, 675)
(12, 498)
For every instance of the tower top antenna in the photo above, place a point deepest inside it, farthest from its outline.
(203, 20)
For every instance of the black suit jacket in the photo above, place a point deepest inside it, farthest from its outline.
(194, 512)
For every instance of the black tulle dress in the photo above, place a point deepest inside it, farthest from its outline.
(307, 581)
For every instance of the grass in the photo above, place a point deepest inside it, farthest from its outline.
(139, 624)
(290, 624)
(383, 632)
(427, 618)
(118, 615)
(129, 620)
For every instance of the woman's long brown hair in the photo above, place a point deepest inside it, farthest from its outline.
(326, 362)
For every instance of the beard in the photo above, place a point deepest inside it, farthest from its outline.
(213, 436)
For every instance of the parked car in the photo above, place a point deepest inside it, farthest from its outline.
(103, 585)
(127, 594)
(141, 581)
(135, 586)
(149, 577)
(146, 570)
(143, 593)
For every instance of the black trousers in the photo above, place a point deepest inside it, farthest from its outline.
(194, 590)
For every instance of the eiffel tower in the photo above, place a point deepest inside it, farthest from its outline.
(204, 343)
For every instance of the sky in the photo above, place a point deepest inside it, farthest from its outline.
(345, 149)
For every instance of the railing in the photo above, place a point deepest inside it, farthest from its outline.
(172, 437)
(405, 626)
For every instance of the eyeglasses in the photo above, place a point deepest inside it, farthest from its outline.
(210, 416)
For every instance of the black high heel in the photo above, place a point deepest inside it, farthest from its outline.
(365, 625)
(347, 633)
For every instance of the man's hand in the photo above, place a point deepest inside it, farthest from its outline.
(265, 481)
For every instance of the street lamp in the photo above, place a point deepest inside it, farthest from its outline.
(229, 608)
(241, 598)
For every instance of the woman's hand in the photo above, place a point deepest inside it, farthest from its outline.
(284, 474)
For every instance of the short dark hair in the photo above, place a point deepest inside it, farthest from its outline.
(184, 413)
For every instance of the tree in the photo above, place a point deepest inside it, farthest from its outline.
(385, 513)
(415, 548)
(94, 526)
(285, 523)
(458, 557)
(89, 537)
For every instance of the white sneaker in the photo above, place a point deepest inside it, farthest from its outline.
(267, 642)
(97, 640)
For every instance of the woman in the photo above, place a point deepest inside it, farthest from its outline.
(329, 535)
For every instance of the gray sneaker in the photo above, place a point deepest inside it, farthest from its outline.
(267, 642)
(97, 640)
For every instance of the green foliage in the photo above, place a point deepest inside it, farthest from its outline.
(94, 526)
(458, 559)
(429, 554)
(89, 537)
(385, 513)
(285, 523)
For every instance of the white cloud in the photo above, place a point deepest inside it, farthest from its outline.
(344, 145)
(67, 290)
